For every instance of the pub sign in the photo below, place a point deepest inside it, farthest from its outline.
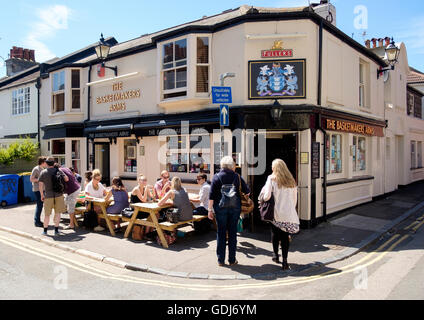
(277, 79)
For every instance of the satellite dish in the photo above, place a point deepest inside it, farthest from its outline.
(386, 75)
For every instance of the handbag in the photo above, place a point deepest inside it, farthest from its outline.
(247, 204)
(172, 215)
(90, 219)
(266, 209)
(127, 212)
(240, 225)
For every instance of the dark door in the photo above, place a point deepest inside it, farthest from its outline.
(278, 147)
(102, 161)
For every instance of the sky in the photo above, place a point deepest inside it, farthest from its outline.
(57, 28)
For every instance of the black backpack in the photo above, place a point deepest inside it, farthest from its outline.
(58, 182)
(229, 197)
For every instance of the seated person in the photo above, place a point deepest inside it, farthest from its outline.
(143, 192)
(120, 198)
(95, 189)
(180, 199)
(163, 185)
(203, 196)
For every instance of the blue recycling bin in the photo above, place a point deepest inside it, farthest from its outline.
(25, 193)
(9, 189)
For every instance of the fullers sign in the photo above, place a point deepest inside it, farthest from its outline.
(118, 97)
(277, 51)
(353, 127)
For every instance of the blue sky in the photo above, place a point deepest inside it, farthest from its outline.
(56, 28)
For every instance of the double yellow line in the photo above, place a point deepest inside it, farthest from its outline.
(366, 261)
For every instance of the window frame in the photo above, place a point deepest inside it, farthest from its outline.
(58, 156)
(413, 154)
(21, 101)
(75, 89)
(125, 159)
(328, 156)
(356, 150)
(202, 64)
(175, 67)
(364, 85)
(58, 91)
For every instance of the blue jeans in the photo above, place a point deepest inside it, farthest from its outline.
(38, 208)
(226, 220)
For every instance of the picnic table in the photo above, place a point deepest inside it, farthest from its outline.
(103, 204)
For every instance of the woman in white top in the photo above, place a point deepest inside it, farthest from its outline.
(282, 185)
(96, 190)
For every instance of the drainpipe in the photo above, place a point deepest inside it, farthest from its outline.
(319, 127)
(38, 86)
(88, 113)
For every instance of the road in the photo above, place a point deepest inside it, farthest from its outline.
(393, 268)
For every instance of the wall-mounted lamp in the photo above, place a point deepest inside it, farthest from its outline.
(392, 52)
(102, 52)
(276, 111)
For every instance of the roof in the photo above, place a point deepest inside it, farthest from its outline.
(32, 77)
(415, 76)
(227, 19)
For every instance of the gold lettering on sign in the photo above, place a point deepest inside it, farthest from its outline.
(118, 97)
(353, 127)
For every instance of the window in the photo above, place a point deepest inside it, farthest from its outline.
(21, 100)
(202, 68)
(413, 155)
(58, 92)
(410, 104)
(334, 153)
(76, 155)
(130, 156)
(363, 84)
(419, 155)
(75, 84)
(195, 159)
(359, 154)
(58, 151)
(174, 68)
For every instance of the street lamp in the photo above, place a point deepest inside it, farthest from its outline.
(102, 52)
(392, 53)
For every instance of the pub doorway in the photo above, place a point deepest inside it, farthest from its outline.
(102, 160)
(279, 145)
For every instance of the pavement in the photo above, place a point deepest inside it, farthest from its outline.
(193, 256)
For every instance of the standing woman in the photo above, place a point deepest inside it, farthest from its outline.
(286, 221)
(226, 218)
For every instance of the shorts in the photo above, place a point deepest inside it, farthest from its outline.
(71, 201)
(58, 204)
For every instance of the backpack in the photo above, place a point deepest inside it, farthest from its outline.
(58, 182)
(229, 198)
(90, 219)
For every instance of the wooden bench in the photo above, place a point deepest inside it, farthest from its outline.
(79, 212)
(169, 226)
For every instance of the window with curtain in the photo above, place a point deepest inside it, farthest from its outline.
(202, 67)
(334, 153)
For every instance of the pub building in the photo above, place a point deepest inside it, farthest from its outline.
(302, 88)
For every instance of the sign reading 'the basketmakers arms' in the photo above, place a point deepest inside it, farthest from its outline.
(277, 79)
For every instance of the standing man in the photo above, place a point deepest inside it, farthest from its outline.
(35, 174)
(52, 199)
(163, 185)
(72, 191)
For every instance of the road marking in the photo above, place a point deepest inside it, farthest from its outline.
(106, 275)
(418, 226)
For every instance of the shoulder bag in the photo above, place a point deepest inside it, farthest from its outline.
(247, 204)
(266, 209)
(228, 196)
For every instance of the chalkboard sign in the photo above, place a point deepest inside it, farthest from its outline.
(315, 158)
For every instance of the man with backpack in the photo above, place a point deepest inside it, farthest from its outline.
(52, 186)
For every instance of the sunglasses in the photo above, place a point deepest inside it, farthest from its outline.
(165, 177)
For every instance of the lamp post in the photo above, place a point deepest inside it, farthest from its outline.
(222, 78)
(392, 53)
(102, 52)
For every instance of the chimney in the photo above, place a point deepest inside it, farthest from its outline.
(20, 59)
(374, 42)
(387, 39)
(368, 44)
(326, 10)
(380, 42)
